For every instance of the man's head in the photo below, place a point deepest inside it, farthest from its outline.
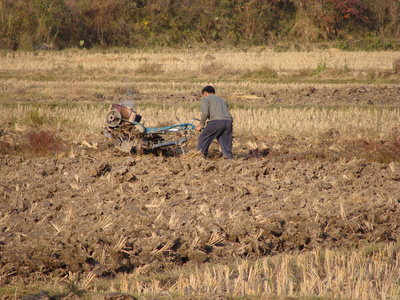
(208, 90)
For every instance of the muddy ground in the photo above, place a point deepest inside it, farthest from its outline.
(108, 212)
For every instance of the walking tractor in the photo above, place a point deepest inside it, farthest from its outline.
(124, 125)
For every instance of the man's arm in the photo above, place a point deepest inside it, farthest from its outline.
(205, 111)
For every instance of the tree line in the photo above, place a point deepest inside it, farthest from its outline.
(59, 24)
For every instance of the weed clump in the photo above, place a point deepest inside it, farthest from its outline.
(396, 66)
(150, 68)
(35, 118)
(384, 151)
(264, 71)
(394, 144)
(43, 143)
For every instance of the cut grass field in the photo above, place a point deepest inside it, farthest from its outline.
(82, 74)
(363, 274)
(76, 87)
(68, 94)
(305, 123)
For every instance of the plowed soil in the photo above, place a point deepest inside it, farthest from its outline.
(108, 212)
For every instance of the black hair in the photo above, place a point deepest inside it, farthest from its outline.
(209, 89)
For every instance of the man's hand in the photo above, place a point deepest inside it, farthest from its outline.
(198, 128)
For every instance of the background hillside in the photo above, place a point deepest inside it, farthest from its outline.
(58, 24)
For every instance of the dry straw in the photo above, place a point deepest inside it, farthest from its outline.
(193, 61)
(351, 123)
(322, 273)
(64, 74)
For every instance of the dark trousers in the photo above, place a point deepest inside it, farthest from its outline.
(220, 129)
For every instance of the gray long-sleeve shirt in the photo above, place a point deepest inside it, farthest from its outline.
(214, 107)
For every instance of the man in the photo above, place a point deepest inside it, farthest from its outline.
(219, 125)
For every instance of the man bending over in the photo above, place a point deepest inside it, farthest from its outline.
(219, 126)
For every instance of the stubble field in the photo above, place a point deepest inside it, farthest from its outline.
(309, 206)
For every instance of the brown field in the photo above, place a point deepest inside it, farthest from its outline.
(308, 208)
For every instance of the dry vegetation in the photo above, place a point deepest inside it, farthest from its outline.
(326, 114)
(326, 273)
(84, 74)
(307, 124)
